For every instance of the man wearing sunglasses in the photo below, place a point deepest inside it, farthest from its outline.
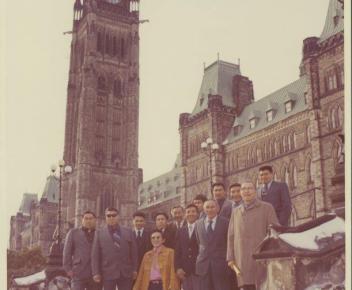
(114, 254)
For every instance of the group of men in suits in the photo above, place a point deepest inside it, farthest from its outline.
(207, 237)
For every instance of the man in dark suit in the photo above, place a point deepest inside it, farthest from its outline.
(186, 251)
(141, 235)
(77, 253)
(114, 254)
(225, 205)
(178, 216)
(168, 230)
(275, 193)
(199, 201)
(211, 262)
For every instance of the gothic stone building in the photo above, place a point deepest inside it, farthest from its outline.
(295, 129)
(101, 135)
(35, 222)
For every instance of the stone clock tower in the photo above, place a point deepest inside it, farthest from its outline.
(101, 134)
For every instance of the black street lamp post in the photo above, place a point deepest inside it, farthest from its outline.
(62, 171)
(209, 148)
(54, 265)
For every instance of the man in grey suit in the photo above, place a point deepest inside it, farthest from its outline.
(114, 254)
(275, 193)
(225, 205)
(211, 265)
(77, 253)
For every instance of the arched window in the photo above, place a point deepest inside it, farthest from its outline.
(258, 154)
(336, 117)
(286, 175)
(292, 141)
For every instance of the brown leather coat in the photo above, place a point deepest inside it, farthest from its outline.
(167, 270)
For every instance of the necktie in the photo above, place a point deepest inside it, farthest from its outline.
(264, 190)
(139, 234)
(210, 229)
(117, 239)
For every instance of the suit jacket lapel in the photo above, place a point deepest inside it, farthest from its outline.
(203, 231)
(106, 233)
(272, 187)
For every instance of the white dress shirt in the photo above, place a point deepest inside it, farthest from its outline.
(190, 229)
(141, 231)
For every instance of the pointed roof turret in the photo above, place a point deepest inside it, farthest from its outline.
(217, 80)
(27, 201)
(334, 20)
(51, 189)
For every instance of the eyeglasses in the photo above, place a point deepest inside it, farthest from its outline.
(111, 215)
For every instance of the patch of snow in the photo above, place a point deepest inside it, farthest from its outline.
(31, 279)
(309, 239)
(326, 286)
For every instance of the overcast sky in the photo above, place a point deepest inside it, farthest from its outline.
(181, 35)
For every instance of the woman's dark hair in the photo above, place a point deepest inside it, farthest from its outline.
(157, 231)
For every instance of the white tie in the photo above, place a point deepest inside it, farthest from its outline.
(190, 230)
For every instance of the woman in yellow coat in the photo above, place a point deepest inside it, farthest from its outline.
(157, 271)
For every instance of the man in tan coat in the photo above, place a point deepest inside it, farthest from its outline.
(248, 227)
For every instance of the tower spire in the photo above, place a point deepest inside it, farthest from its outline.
(77, 10)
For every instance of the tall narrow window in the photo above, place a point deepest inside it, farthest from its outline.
(117, 88)
(269, 115)
(308, 135)
(285, 143)
(286, 176)
(294, 177)
(107, 44)
(252, 123)
(114, 48)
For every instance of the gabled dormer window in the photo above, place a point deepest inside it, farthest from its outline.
(269, 115)
(252, 123)
(288, 106)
